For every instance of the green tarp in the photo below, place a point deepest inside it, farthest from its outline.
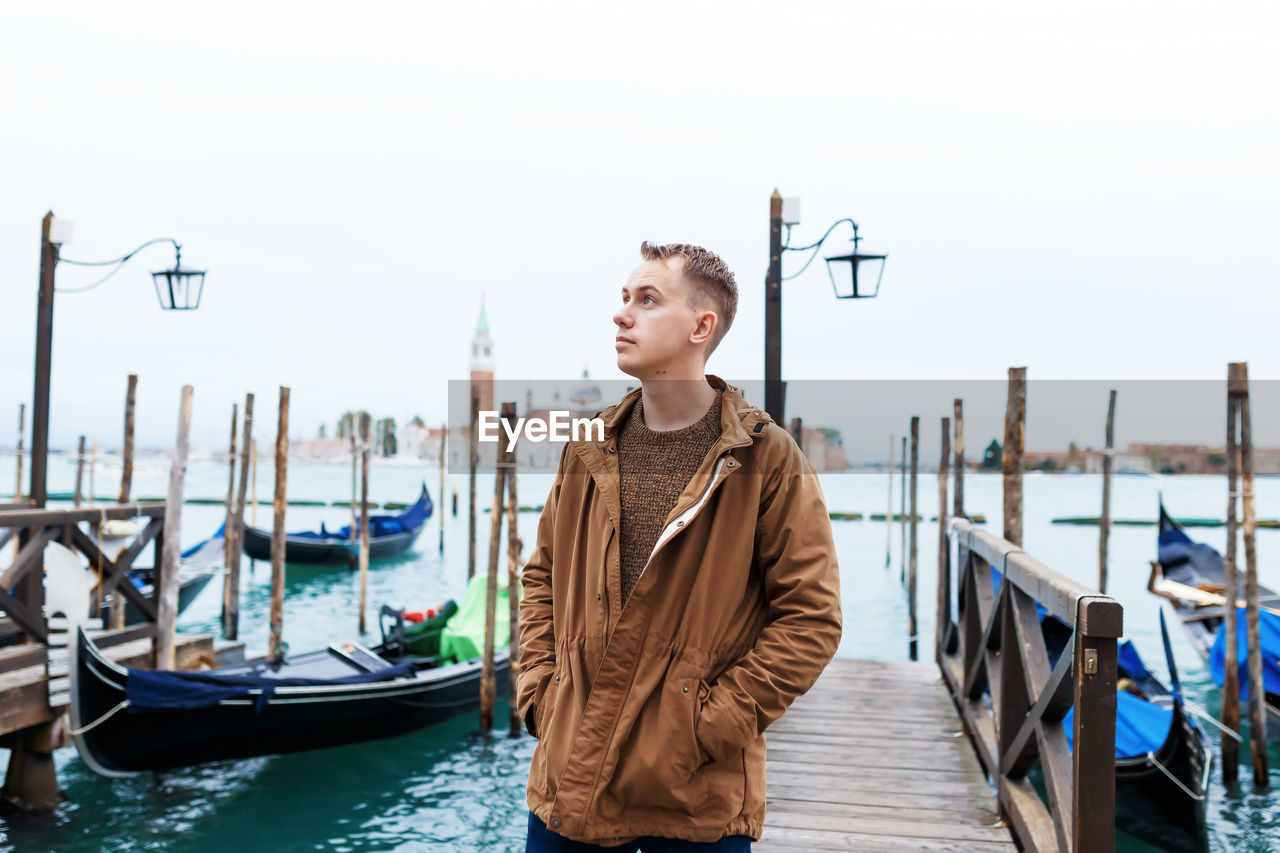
(463, 638)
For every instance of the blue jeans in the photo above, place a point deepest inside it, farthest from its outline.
(543, 840)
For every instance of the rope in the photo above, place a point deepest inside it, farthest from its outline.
(1151, 756)
(124, 703)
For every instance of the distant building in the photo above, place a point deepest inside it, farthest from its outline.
(482, 360)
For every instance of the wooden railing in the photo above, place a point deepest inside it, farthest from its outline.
(993, 656)
(22, 582)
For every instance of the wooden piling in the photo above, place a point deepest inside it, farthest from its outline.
(941, 621)
(355, 472)
(167, 569)
(1257, 692)
(235, 529)
(253, 484)
(513, 585)
(364, 517)
(444, 435)
(888, 513)
(228, 537)
(79, 494)
(957, 509)
(126, 452)
(1230, 716)
(902, 514)
(911, 570)
(474, 460)
(275, 638)
(1015, 433)
(796, 429)
(22, 426)
(488, 685)
(1104, 520)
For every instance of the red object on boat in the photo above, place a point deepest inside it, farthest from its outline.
(415, 616)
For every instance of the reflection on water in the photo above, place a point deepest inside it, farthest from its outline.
(445, 789)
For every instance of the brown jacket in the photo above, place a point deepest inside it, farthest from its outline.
(651, 717)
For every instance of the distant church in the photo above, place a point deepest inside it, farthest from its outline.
(482, 360)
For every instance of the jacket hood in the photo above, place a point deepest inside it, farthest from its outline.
(739, 419)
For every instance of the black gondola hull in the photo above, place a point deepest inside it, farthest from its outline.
(257, 544)
(294, 720)
(1152, 806)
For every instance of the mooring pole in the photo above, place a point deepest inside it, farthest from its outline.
(1104, 520)
(513, 580)
(79, 494)
(167, 568)
(1257, 690)
(44, 367)
(1015, 431)
(942, 621)
(1230, 716)
(488, 685)
(444, 447)
(888, 513)
(474, 456)
(275, 639)
(775, 394)
(364, 516)
(902, 515)
(911, 571)
(235, 528)
(228, 525)
(22, 425)
(958, 503)
(126, 484)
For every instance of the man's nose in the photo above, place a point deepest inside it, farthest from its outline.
(622, 318)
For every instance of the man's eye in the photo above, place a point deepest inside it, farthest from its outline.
(651, 299)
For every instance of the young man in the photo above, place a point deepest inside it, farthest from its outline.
(682, 593)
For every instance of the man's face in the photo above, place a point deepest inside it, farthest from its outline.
(657, 331)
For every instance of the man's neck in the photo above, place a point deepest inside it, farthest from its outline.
(675, 403)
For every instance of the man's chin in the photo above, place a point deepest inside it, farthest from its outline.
(628, 365)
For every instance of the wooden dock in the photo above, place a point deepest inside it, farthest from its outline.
(875, 758)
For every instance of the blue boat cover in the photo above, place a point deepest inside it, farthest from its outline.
(164, 690)
(1132, 662)
(1141, 727)
(220, 533)
(1269, 632)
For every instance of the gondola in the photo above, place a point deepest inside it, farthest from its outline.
(1190, 575)
(1162, 754)
(129, 721)
(389, 535)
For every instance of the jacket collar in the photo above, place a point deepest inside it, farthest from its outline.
(740, 422)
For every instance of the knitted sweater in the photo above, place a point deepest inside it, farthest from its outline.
(654, 468)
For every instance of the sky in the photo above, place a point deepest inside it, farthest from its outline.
(1088, 191)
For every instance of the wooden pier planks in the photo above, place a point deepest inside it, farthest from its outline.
(874, 758)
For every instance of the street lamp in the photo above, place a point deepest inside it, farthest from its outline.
(177, 288)
(843, 270)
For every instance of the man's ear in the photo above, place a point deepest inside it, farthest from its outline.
(707, 323)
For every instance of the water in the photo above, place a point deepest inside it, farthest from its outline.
(445, 788)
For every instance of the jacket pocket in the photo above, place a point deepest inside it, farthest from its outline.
(704, 692)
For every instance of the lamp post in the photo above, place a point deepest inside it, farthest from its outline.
(178, 289)
(841, 269)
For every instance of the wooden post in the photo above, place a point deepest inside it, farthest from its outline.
(474, 440)
(488, 686)
(958, 503)
(93, 471)
(1015, 430)
(253, 485)
(1104, 520)
(911, 571)
(1257, 694)
(513, 581)
(22, 426)
(942, 619)
(228, 536)
(275, 640)
(355, 471)
(444, 435)
(1230, 716)
(167, 568)
(902, 515)
(116, 616)
(79, 495)
(235, 530)
(888, 513)
(364, 516)
(796, 428)
(126, 453)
